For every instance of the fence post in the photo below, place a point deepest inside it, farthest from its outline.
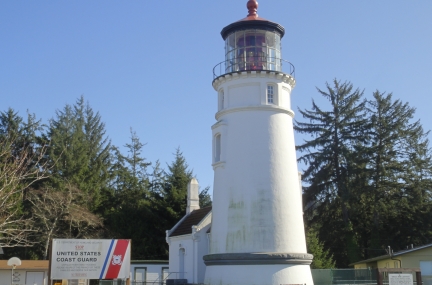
(379, 277)
(419, 278)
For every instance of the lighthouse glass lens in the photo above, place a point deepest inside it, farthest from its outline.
(230, 53)
(230, 42)
(277, 42)
(252, 49)
(270, 39)
(250, 38)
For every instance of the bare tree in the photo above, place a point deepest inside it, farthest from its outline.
(60, 213)
(19, 169)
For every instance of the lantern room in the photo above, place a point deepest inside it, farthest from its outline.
(252, 43)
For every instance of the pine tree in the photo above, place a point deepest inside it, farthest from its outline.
(169, 197)
(24, 134)
(137, 164)
(130, 200)
(369, 174)
(10, 123)
(322, 259)
(174, 196)
(205, 198)
(80, 151)
(400, 166)
(329, 155)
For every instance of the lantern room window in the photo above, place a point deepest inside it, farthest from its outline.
(253, 50)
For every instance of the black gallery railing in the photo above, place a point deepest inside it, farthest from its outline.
(253, 63)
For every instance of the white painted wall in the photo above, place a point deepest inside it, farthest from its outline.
(153, 271)
(256, 205)
(256, 202)
(195, 247)
(202, 248)
(259, 274)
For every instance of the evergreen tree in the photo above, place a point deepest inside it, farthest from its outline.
(130, 200)
(137, 163)
(11, 123)
(25, 135)
(169, 192)
(322, 259)
(129, 173)
(368, 175)
(174, 196)
(329, 155)
(400, 167)
(204, 198)
(79, 152)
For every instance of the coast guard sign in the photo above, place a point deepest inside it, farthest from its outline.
(90, 258)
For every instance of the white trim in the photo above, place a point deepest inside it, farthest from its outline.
(287, 78)
(273, 108)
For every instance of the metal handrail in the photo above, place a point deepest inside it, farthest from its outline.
(255, 63)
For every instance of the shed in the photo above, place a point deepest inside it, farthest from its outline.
(30, 272)
(414, 257)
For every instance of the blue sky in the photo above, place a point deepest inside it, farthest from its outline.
(147, 65)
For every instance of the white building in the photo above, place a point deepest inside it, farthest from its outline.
(188, 241)
(148, 271)
(257, 232)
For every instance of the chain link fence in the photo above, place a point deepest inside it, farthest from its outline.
(319, 276)
(344, 276)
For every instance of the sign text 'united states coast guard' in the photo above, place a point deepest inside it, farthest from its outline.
(90, 258)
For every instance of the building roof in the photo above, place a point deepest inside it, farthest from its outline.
(252, 21)
(394, 254)
(193, 219)
(27, 265)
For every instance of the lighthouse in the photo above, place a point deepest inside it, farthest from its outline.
(257, 231)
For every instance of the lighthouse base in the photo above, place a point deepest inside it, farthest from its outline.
(258, 269)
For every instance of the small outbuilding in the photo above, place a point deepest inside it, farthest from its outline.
(149, 271)
(413, 257)
(188, 243)
(30, 272)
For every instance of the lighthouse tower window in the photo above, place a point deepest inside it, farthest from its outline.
(221, 100)
(217, 148)
(270, 94)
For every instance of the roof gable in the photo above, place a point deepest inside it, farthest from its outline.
(394, 254)
(194, 218)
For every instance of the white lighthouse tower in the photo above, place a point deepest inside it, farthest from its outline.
(257, 232)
